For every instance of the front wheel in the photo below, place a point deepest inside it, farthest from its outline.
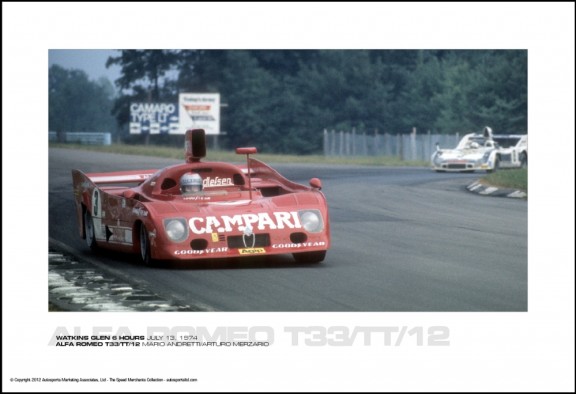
(89, 230)
(496, 166)
(310, 257)
(145, 246)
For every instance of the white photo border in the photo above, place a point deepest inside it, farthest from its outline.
(531, 351)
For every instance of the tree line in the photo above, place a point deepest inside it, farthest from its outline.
(282, 100)
(77, 104)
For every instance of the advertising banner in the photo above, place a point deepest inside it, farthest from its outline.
(200, 111)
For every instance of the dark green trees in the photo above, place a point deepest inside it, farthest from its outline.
(282, 100)
(77, 103)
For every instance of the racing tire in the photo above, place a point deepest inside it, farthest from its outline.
(89, 231)
(523, 160)
(310, 257)
(145, 246)
(496, 166)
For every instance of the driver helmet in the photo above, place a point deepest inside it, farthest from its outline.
(190, 183)
(474, 145)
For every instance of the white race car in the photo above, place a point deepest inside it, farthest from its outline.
(482, 151)
(512, 150)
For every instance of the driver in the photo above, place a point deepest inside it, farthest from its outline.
(190, 183)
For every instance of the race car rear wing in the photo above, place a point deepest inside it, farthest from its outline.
(137, 176)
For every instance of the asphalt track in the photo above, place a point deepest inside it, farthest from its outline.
(403, 239)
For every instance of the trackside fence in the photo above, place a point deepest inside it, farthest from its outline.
(88, 138)
(408, 147)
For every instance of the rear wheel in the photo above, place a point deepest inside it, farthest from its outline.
(89, 230)
(145, 246)
(310, 257)
(523, 160)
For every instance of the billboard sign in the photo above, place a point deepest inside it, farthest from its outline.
(154, 118)
(200, 111)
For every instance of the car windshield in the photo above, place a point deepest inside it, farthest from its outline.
(474, 142)
(507, 142)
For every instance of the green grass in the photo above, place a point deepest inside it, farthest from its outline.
(512, 178)
(230, 156)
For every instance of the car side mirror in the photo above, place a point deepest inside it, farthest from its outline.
(316, 183)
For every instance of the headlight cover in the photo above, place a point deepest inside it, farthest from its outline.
(176, 229)
(311, 220)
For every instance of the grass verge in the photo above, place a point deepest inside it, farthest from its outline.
(512, 178)
(178, 153)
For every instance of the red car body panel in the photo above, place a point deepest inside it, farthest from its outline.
(242, 211)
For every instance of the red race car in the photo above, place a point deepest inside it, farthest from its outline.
(202, 210)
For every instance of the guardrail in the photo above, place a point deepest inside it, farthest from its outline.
(88, 138)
